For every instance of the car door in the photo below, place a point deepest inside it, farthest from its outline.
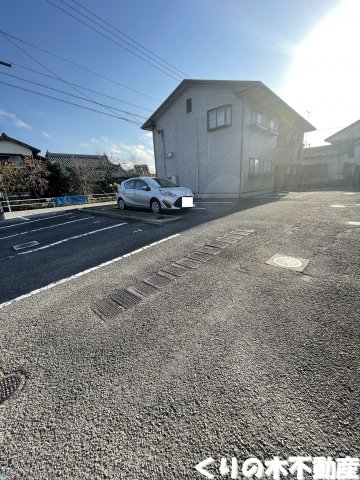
(129, 193)
(142, 197)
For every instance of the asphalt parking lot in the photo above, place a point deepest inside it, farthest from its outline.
(70, 242)
(232, 356)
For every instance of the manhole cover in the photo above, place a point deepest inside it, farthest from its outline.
(288, 262)
(106, 308)
(174, 270)
(125, 298)
(284, 261)
(145, 289)
(9, 385)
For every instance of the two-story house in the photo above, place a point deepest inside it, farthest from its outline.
(227, 138)
(338, 163)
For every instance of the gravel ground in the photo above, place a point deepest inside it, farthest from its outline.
(236, 358)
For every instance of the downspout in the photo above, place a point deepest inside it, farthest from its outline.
(242, 143)
(163, 142)
(197, 155)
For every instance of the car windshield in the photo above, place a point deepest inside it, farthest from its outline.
(164, 182)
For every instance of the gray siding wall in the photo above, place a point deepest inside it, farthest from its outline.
(206, 162)
(210, 162)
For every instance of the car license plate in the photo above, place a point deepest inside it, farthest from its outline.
(187, 201)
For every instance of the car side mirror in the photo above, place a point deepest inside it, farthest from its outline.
(146, 188)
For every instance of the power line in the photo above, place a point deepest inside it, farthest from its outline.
(114, 41)
(70, 94)
(69, 103)
(84, 88)
(152, 55)
(79, 66)
(47, 69)
(31, 127)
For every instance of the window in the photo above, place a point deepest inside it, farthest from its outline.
(163, 182)
(254, 166)
(260, 167)
(219, 117)
(130, 184)
(260, 119)
(188, 105)
(273, 124)
(140, 184)
(267, 167)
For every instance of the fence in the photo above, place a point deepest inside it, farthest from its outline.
(35, 203)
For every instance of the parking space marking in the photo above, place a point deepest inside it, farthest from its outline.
(75, 237)
(85, 272)
(38, 220)
(214, 202)
(44, 228)
(303, 195)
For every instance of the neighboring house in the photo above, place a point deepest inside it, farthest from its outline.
(96, 168)
(142, 170)
(338, 163)
(227, 138)
(14, 150)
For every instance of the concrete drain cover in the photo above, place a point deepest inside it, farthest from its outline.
(106, 308)
(158, 280)
(174, 270)
(291, 263)
(209, 250)
(228, 239)
(199, 256)
(188, 262)
(125, 298)
(145, 289)
(217, 244)
(9, 385)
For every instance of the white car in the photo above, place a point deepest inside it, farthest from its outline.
(154, 193)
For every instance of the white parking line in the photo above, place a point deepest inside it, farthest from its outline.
(75, 237)
(85, 272)
(213, 202)
(303, 195)
(24, 218)
(38, 220)
(43, 228)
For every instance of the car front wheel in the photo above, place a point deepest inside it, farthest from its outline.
(155, 206)
(121, 204)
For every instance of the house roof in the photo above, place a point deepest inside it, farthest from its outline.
(331, 138)
(341, 148)
(239, 87)
(71, 160)
(96, 162)
(4, 137)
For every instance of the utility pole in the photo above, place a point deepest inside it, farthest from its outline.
(9, 65)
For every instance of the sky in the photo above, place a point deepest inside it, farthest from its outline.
(306, 51)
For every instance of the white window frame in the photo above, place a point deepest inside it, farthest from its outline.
(219, 117)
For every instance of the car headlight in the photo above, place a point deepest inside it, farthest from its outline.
(167, 193)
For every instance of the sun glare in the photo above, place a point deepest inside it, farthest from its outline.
(324, 78)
